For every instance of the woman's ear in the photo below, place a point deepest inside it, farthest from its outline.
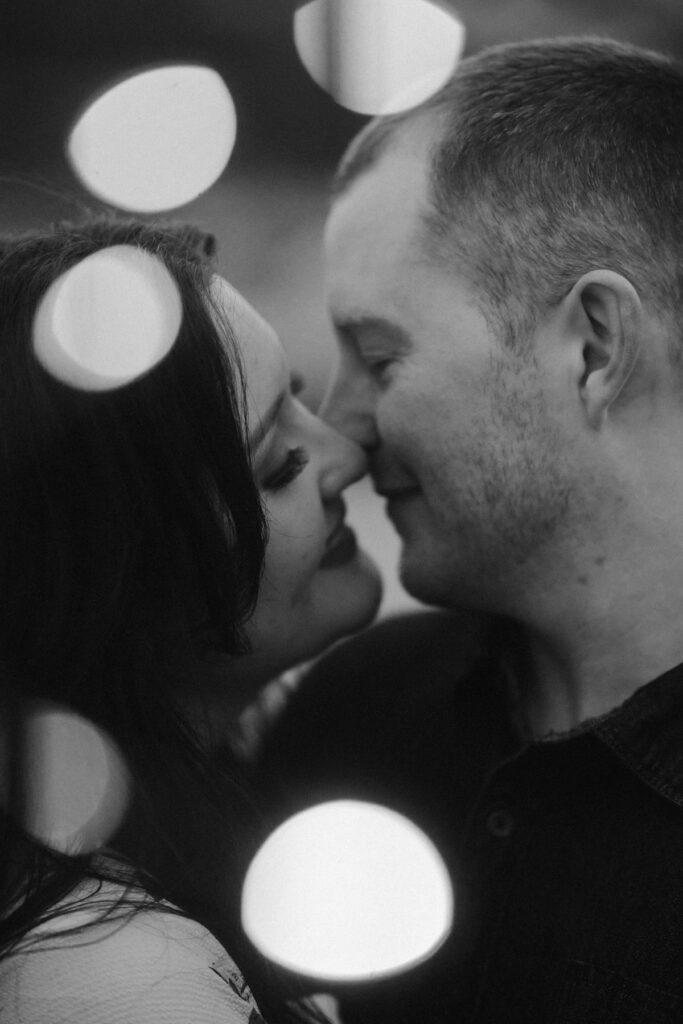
(606, 318)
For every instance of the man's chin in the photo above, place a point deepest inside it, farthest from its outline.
(421, 578)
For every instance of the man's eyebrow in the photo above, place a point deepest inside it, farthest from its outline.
(354, 327)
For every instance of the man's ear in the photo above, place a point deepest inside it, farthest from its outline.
(605, 316)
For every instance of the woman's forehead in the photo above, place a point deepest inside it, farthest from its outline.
(262, 355)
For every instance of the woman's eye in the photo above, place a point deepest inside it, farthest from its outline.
(293, 464)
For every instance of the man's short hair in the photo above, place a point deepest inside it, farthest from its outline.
(552, 158)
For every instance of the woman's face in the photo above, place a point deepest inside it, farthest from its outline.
(317, 585)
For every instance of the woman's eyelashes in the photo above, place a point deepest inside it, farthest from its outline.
(295, 460)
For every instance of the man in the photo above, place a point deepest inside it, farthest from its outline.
(505, 280)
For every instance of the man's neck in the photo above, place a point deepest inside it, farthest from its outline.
(596, 638)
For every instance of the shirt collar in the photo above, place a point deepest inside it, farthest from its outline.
(646, 732)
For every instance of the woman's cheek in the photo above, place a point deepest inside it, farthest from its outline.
(289, 561)
(297, 536)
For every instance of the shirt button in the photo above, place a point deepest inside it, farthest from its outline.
(500, 824)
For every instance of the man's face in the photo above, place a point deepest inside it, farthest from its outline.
(462, 439)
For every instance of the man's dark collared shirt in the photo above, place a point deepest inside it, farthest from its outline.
(566, 854)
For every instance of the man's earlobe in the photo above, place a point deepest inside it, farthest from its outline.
(607, 319)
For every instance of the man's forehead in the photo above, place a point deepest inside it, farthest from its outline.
(398, 181)
(373, 234)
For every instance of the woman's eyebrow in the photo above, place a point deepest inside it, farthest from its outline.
(266, 422)
(297, 383)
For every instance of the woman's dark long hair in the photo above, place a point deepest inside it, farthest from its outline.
(130, 526)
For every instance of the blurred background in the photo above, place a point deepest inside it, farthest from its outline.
(268, 209)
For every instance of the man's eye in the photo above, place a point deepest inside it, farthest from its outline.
(379, 367)
(294, 462)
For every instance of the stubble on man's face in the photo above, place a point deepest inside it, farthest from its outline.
(495, 485)
(467, 421)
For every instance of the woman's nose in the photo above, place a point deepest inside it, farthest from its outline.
(343, 462)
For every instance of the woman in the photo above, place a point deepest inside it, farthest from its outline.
(166, 547)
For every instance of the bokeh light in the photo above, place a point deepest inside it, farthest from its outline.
(347, 891)
(108, 319)
(156, 140)
(75, 783)
(378, 56)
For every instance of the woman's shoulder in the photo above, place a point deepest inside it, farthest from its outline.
(130, 964)
(398, 670)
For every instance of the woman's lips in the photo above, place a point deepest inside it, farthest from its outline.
(341, 547)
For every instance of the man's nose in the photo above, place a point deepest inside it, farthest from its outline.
(349, 406)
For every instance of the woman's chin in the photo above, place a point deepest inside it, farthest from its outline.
(340, 601)
(373, 590)
(347, 600)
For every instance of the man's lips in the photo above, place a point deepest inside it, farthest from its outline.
(396, 493)
(398, 501)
